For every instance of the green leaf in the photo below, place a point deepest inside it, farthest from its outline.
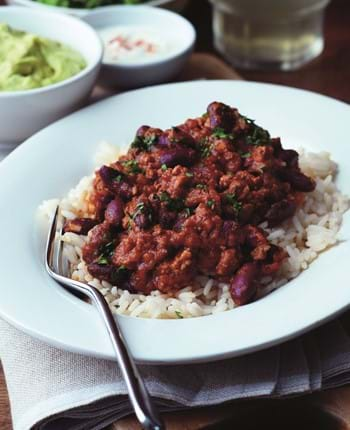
(211, 204)
(179, 314)
(164, 167)
(106, 253)
(220, 133)
(140, 207)
(174, 205)
(188, 212)
(132, 167)
(232, 200)
(245, 154)
(102, 260)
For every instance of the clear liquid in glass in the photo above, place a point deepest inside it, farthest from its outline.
(269, 34)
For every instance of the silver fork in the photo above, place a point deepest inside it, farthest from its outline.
(140, 399)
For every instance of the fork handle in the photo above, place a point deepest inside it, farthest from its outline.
(140, 399)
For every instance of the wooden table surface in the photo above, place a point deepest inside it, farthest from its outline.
(329, 74)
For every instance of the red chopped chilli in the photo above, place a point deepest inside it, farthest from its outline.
(187, 201)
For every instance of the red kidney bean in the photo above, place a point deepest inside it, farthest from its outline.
(273, 262)
(144, 219)
(289, 156)
(141, 131)
(280, 211)
(115, 181)
(245, 283)
(163, 140)
(221, 116)
(298, 180)
(114, 212)
(110, 176)
(175, 136)
(166, 218)
(107, 272)
(79, 225)
(178, 155)
(301, 182)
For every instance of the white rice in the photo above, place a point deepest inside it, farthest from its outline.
(312, 230)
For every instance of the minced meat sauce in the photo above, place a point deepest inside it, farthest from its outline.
(187, 201)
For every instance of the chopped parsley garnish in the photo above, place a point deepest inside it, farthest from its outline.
(211, 204)
(179, 314)
(106, 253)
(256, 134)
(205, 148)
(122, 269)
(132, 167)
(174, 205)
(118, 178)
(102, 260)
(164, 167)
(140, 207)
(232, 200)
(220, 133)
(201, 186)
(245, 154)
(188, 212)
(248, 120)
(144, 142)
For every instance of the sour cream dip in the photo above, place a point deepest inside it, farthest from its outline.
(132, 44)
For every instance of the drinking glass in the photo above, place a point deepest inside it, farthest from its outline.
(269, 34)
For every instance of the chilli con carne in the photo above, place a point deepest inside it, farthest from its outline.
(187, 201)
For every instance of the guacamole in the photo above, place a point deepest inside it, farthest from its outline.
(28, 61)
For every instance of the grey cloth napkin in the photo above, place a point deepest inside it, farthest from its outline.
(51, 389)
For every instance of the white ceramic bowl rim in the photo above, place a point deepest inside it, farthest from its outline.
(59, 17)
(81, 12)
(186, 44)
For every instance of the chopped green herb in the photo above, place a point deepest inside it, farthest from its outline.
(205, 147)
(248, 120)
(145, 142)
(211, 204)
(189, 174)
(174, 205)
(118, 178)
(201, 186)
(140, 207)
(164, 167)
(179, 314)
(164, 196)
(132, 166)
(220, 133)
(245, 154)
(232, 200)
(122, 269)
(102, 260)
(106, 252)
(188, 212)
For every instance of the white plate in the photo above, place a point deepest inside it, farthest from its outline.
(52, 161)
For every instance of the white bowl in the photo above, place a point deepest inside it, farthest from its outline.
(23, 113)
(137, 74)
(175, 5)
